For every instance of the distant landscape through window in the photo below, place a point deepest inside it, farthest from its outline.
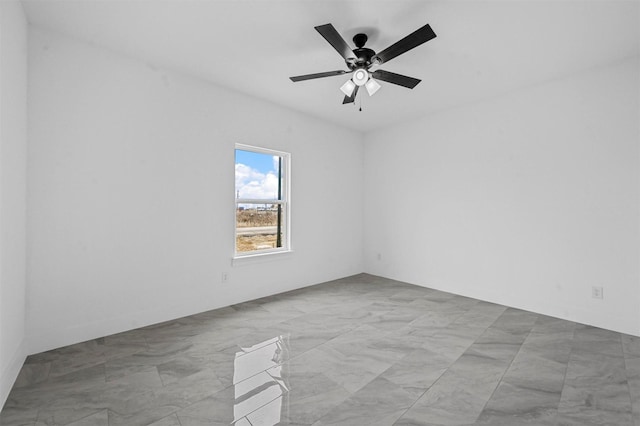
(261, 200)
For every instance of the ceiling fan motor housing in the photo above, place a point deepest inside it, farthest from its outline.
(363, 54)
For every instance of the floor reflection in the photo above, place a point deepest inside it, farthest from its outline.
(260, 382)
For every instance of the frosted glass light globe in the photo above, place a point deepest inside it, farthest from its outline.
(360, 76)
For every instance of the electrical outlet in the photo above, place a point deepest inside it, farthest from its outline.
(224, 278)
(596, 292)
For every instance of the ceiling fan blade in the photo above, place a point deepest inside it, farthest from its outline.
(393, 78)
(317, 75)
(352, 98)
(335, 39)
(415, 39)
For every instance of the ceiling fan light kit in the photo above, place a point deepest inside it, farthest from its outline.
(360, 76)
(372, 86)
(348, 88)
(361, 59)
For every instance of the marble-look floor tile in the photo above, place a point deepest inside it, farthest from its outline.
(380, 402)
(518, 402)
(431, 319)
(10, 416)
(215, 340)
(217, 409)
(632, 364)
(190, 389)
(310, 397)
(590, 393)
(417, 371)
(269, 414)
(361, 350)
(347, 371)
(496, 343)
(171, 420)
(100, 418)
(591, 364)
(31, 374)
(631, 345)
(593, 418)
(67, 414)
(78, 357)
(353, 341)
(408, 295)
(596, 389)
(62, 399)
(460, 394)
(396, 318)
(450, 343)
(180, 367)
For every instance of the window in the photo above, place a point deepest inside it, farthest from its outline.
(262, 201)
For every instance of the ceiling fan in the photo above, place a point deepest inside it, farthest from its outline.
(361, 59)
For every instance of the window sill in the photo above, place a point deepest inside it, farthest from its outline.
(261, 257)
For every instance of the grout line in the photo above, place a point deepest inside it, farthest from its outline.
(178, 417)
(447, 368)
(509, 366)
(626, 373)
(425, 391)
(564, 379)
(160, 376)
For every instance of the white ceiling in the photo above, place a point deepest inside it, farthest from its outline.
(483, 48)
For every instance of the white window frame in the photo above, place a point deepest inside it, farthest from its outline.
(285, 202)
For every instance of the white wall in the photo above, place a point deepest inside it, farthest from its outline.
(131, 188)
(528, 200)
(13, 149)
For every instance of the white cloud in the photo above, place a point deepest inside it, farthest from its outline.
(250, 183)
(245, 174)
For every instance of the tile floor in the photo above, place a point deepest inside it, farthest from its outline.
(358, 351)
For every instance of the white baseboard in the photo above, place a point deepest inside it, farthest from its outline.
(10, 373)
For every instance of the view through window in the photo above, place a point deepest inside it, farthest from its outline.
(261, 200)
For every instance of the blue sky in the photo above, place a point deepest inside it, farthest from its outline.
(256, 175)
(257, 161)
